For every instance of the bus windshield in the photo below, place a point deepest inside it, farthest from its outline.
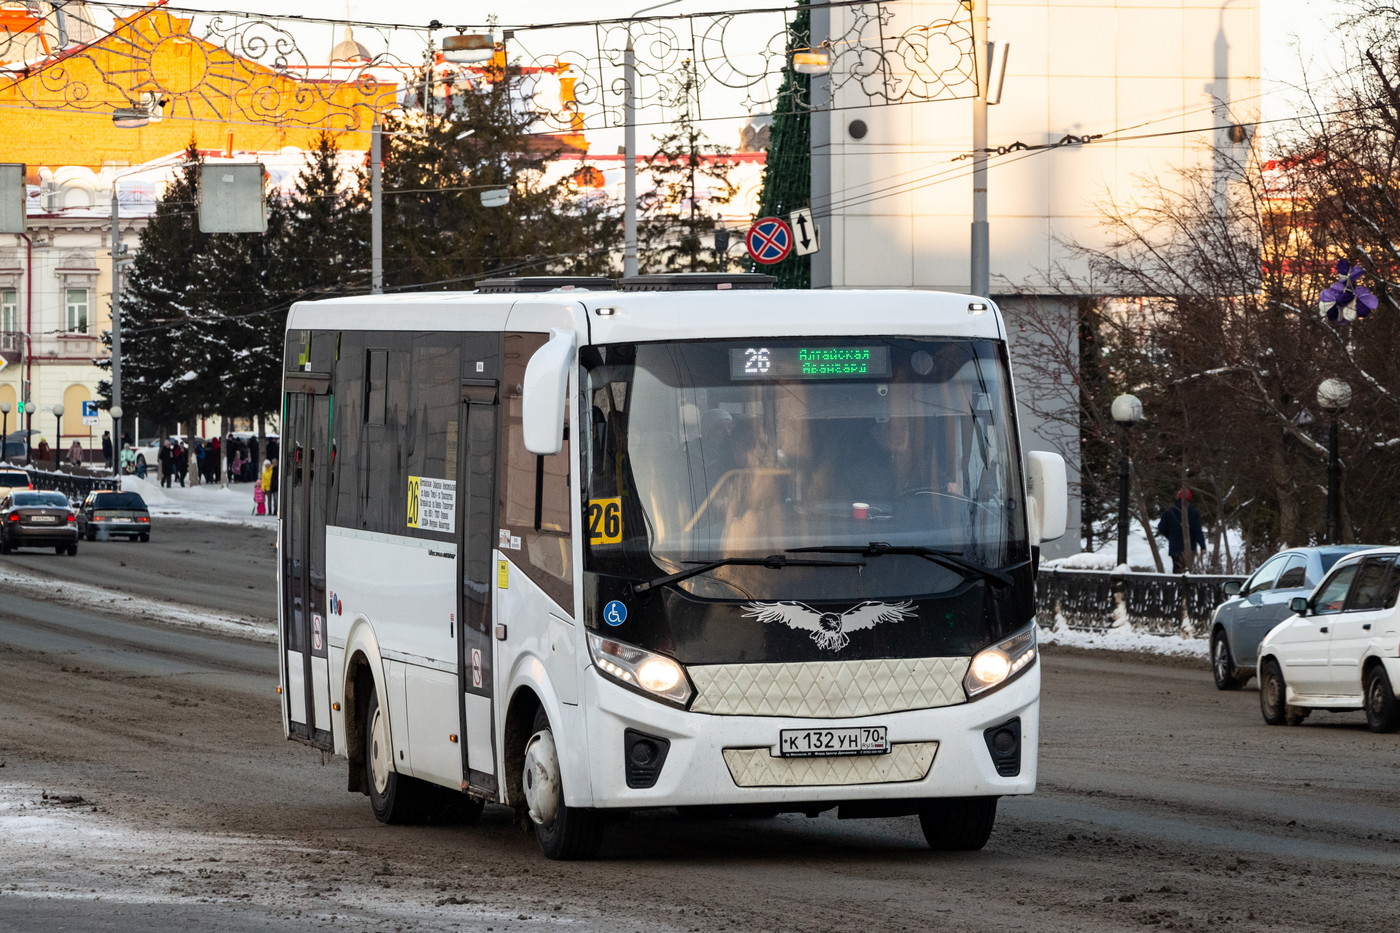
(725, 450)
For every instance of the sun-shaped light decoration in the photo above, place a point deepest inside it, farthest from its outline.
(164, 59)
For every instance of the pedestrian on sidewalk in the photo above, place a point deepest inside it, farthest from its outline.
(1181, 548)
(271, 491)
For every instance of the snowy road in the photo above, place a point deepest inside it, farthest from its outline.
(145, 786)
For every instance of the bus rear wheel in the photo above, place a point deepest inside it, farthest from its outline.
(563, 832)
(396, 798)
(958, 824)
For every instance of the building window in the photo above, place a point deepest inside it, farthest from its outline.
(77, 305)
(9, 309)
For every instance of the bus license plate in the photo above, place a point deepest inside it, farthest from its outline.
(813, 743)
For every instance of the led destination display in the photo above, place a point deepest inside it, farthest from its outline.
(809, 363)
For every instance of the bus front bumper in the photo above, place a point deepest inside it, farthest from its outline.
(733, 760)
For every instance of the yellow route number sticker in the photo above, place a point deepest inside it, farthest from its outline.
(605, 521)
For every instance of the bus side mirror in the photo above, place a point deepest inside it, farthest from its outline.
(545, 392)
(1047, 495)
(1298, 605)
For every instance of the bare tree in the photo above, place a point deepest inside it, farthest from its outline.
(1207, 309)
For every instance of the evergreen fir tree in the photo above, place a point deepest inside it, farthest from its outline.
(437, 232)
(233, 339)
(156, 306)
(787, 176)
(678, 218)
(322, 249)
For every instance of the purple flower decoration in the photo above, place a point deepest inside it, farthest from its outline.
(1344, 300)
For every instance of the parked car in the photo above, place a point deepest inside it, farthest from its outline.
(107, 514)
(1341, 651)
(1260, 603)
(11, 478)
(30, 518)
(17, 443)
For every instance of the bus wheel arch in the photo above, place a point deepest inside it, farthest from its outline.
(359, 682)
(519, 727)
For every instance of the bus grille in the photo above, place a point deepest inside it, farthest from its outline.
(758, 767)
(828, 689)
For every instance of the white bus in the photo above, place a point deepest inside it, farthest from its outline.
(579, 547)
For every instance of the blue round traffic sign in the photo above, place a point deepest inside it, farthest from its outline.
(769, 240)
(615, 613)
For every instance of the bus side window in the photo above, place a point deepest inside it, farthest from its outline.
(535, 489)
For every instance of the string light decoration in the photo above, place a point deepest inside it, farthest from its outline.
(741, 57)
(251, 68)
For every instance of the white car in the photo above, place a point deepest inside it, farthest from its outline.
(1341, 651)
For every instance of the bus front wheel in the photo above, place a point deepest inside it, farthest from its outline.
(563, 832)
(958, 824)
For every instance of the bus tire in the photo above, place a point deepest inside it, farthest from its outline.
(958, 824)
(396, 798)
(564, 833)
(453, 807)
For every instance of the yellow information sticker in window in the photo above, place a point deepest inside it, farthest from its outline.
(503, 574)
(605, 521)
(415, 497)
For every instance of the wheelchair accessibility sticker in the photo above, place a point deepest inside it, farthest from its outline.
(615, 613)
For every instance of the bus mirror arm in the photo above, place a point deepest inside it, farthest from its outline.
(545, 394)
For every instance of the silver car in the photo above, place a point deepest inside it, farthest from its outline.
(1260, 603)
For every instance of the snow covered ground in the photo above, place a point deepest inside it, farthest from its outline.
(208, 502)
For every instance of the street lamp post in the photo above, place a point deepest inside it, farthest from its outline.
(1333, 396)
(116, 402)
(57, 435)
(116, 412)
(5, 431)
(1127, 411)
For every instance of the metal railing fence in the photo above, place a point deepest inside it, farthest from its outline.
(1155, 603)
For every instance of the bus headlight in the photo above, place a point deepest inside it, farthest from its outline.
(994, 666)
(651, 674)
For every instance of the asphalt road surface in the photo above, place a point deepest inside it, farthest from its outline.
(145, 786)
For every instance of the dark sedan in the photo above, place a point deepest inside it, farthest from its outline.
(37, 519)
(107, 514)
(1260, 603)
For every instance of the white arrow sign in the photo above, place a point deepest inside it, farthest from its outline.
(804, 232)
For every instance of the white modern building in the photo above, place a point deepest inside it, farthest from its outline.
(1135, 89)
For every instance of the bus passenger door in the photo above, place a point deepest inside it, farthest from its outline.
(304, 479)
(476, 504)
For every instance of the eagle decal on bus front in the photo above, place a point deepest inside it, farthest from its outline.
(829, 629)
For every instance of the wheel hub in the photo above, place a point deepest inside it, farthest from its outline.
(379, 752)
(541, 779)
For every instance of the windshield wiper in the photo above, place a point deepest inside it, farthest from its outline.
(772, 561)
(951, 559)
